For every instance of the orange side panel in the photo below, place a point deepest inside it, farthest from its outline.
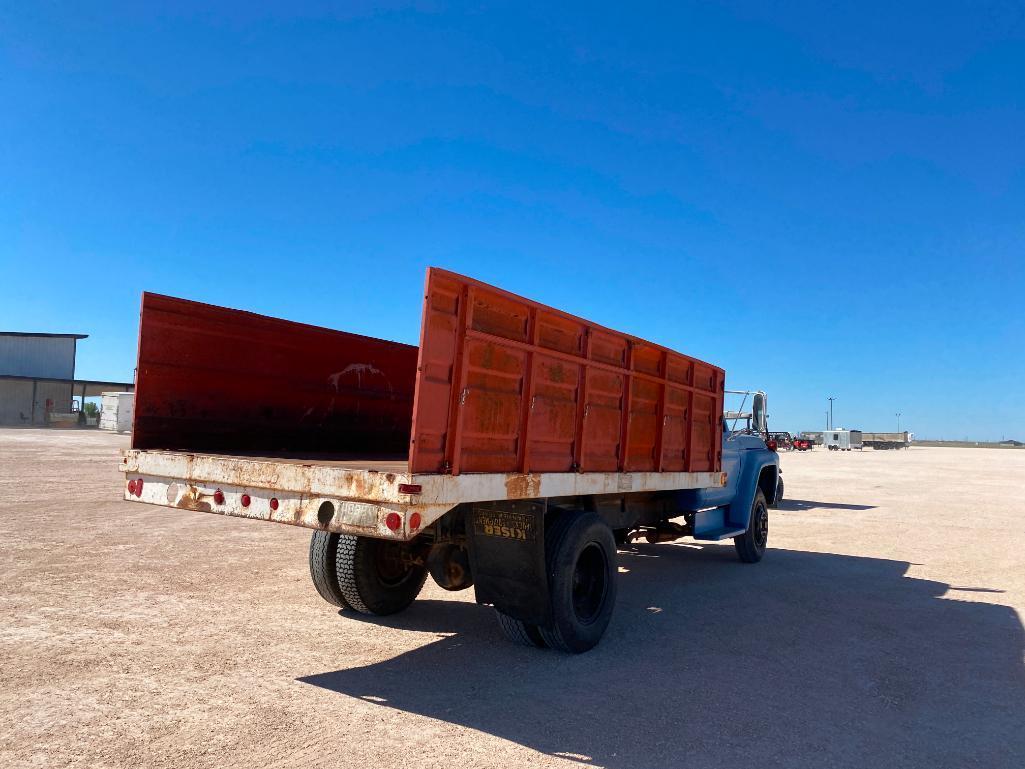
(215, 379)
(505, 384)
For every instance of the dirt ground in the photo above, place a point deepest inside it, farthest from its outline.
(883, 629)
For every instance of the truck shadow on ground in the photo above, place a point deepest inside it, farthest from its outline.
(806, 659)
(795, 505)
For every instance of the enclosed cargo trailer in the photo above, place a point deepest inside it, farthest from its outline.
(842, 440)
(509, 418)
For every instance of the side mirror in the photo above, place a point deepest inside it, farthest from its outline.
(759, 419)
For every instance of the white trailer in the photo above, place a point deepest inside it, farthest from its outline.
(841, 439)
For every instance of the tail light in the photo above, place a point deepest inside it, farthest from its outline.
(246, 500)
(772, 445)
(393, 521)
(219, 497)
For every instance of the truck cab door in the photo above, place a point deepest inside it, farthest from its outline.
(723, 495)
(730, 458)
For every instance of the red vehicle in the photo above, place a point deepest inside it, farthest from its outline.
(803, 444)
(511, 452)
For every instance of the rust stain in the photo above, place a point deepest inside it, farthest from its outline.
(520, 486)
(193, 500)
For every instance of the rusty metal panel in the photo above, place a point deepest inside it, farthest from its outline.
(507, 385)
(441, 336)
(215, 379)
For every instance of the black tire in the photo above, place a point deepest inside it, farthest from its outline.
(373, 577)
(580, 558)
(752, 543)
(779, 494)
(517, 631)
(323, 571)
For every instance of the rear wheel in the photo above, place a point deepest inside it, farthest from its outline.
(377, 576)
(580, 558)
(752, 543)
(517, 631)
(323, 569)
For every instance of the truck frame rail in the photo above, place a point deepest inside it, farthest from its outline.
(357, 497)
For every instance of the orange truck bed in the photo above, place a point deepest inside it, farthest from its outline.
(503, 398)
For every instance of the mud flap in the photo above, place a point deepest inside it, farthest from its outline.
(507, 554)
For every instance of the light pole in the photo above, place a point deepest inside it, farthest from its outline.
(898, 421)
(831, 399)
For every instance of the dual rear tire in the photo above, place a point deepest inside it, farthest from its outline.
(580, 562)
(381, 577)
(363, 574)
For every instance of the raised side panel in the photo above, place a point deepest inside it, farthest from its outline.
(510, 385)
(551, 427)
(214, 379)
(441, 331)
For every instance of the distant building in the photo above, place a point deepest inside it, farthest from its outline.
(37, 377)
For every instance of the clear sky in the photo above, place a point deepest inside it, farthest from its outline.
(824, 199)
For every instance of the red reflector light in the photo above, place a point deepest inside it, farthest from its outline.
(219, 497)
(131, 487)
(274, 503)
(246, 500)
(771, 445)
(414, 521)
(410, 488)
(138, 487)
(393, 521)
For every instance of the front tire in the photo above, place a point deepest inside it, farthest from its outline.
(377, 576)
(752, 543)
(580, 558)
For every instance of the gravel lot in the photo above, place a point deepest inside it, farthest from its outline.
(883, 628)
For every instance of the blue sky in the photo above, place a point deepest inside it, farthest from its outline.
(822, 199)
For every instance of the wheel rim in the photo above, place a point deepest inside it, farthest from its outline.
(761, 524)
(391, 569)
(590, 583)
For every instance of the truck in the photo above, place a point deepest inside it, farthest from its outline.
(888, 440)
(755, 422)
(513, 451)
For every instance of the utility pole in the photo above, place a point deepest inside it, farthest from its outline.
(831, 399)
(898, 421)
